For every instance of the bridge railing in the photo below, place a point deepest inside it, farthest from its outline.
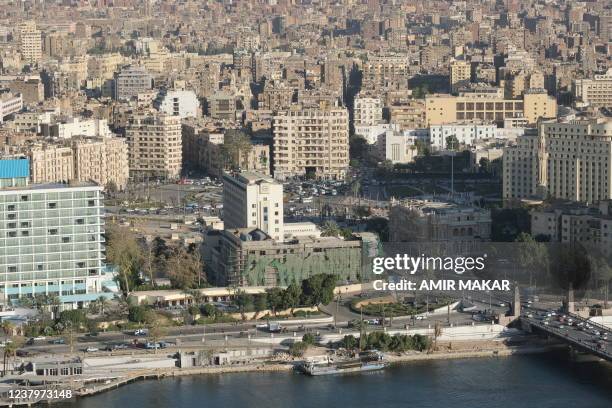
(592, 323)
(557, 332)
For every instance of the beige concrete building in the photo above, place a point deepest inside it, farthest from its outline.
(570, 222)
(203, 150)
(408, 115)
(460, 74)
(311, 141)
(277, 95)
(51, 163)
(102, 160)
(30, 42)
(427, 221)
(571, 161)
(388, 71)
(367, 111)
(596, 92)
(99, 159)
(441, 109)
(154, 142)
(32, 90)
(520, 167)
(253, 200)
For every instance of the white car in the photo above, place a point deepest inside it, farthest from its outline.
(91, 349)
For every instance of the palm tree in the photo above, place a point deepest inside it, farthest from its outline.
(330, 229)
(7, 327)
(10, 349)
(102, 303)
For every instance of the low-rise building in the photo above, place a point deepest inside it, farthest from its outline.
(436, 221)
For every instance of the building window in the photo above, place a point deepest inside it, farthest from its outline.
(52, 205)
(24, 198)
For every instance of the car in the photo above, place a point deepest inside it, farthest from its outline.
(38, 338)
(58, 341)
(113, 347)
(91, 349)
(140, 332)
(421, 317)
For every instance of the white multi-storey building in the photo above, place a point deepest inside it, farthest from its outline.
(466, 134)
(180, 103)
(367, 111)
(253, 200)
(51, 243)
(9, 104)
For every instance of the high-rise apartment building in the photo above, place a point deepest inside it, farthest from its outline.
(571, 161)
(51, 242)
(30, 42)
(154, 143)
(253, 200)
(311, 141)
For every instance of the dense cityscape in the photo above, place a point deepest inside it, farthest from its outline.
(203, 187)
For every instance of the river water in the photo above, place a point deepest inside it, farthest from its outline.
(539, 380)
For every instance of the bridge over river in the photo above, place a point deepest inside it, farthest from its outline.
(581, 334)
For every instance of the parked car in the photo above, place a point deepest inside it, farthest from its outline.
(58, 341)
(91, 349)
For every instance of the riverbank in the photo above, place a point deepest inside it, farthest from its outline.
(481, 349)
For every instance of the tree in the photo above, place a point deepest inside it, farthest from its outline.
(122, 250)
(260, 303)
(76, 318)
(318, 289)
(309, 339)
(149, 261)
(380, 226)
(298, 349)
(10, 348)
(452, 143)
(209, 310)
(236, 148)
(485, 165)
(291, 296)
(275, 299)
(349, 342)
(184, 268)
(330, 229)
(102, 303)
(244, 301)
(138, 314)
(156, 332)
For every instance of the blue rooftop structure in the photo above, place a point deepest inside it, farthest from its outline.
(14, 168)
